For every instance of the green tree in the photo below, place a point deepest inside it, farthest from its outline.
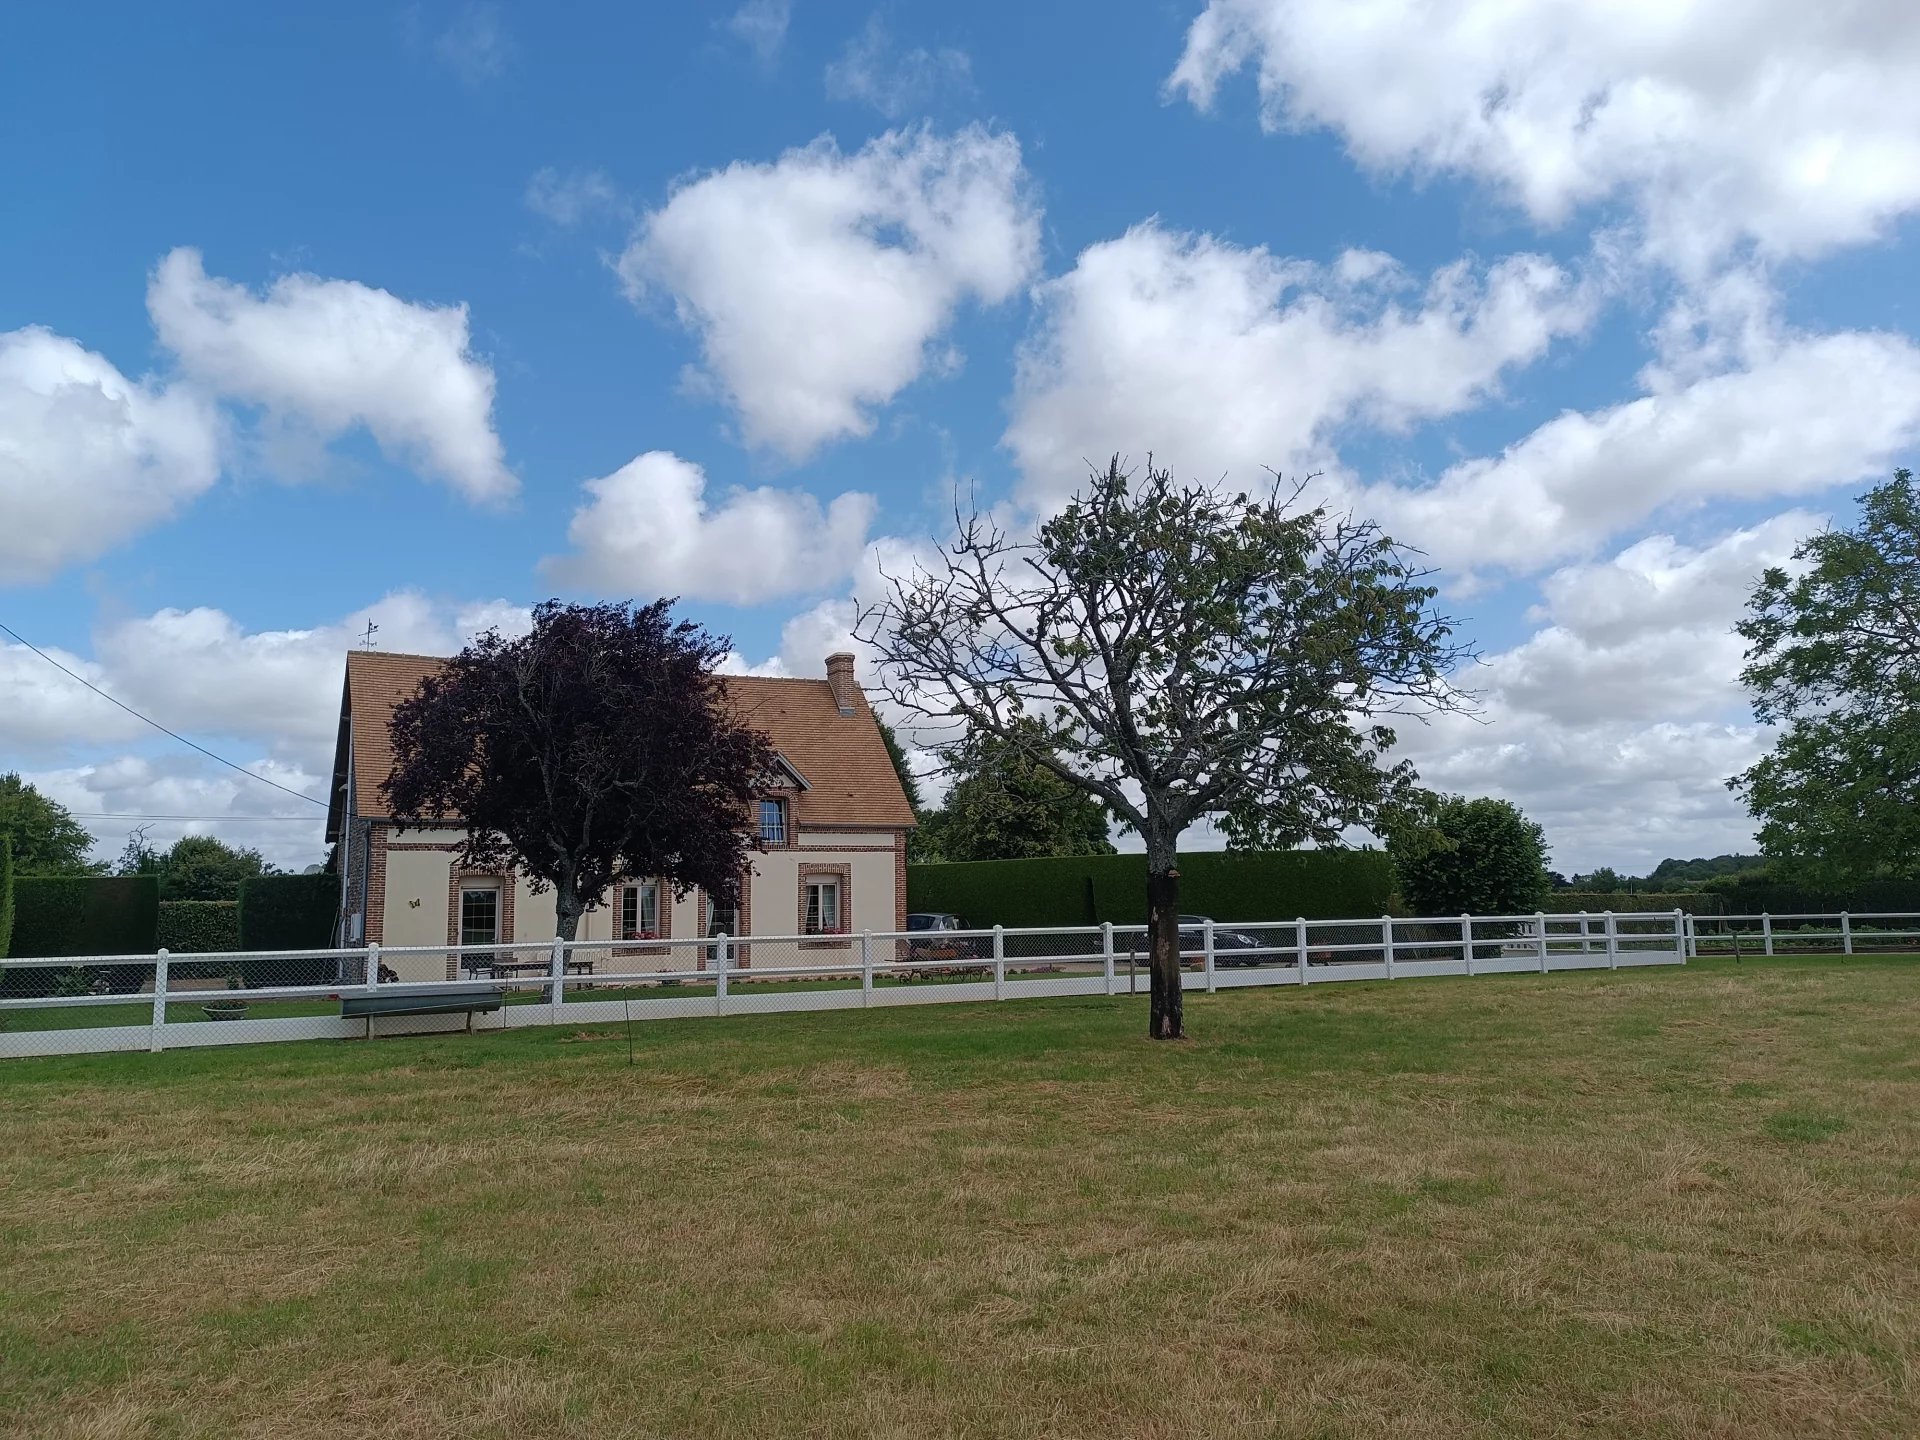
(1455, 856)
(1004, 804)
(201, 867)
(1833, 660)
(47, 840)
(1605, 878)
(1177, 651)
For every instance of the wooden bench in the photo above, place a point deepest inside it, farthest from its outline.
(422, 1000)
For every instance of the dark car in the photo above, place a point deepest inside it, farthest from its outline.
(1230, 947)
(931, 937)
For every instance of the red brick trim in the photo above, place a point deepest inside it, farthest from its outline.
(842, 873)
(375, 927)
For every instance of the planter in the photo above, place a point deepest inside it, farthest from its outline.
(225, 1010)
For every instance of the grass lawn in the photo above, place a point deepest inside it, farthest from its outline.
(1653, 1203)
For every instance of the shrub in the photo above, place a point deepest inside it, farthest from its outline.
(1760, 894)
(1478, 857)
(199, 927)
(1244, 886)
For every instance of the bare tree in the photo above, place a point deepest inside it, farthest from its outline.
(1178, 652)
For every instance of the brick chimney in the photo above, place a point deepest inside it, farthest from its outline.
(840, 679)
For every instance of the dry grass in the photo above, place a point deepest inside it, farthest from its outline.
(1657, 1203)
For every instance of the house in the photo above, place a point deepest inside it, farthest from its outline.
(831, 825)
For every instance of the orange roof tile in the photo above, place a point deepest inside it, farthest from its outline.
(844, 760)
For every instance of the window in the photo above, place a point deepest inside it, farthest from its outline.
(722, 919)
(823, 908)
(479, 917)
(773, 822)
(640, 911)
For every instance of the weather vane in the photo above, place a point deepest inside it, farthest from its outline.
(366, 642)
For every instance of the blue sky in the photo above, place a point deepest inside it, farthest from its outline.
(330, 316)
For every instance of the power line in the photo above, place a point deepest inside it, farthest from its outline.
(148, 720)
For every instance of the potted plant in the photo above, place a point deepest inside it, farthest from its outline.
(232, 1008)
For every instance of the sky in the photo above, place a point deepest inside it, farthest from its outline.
(313, 318)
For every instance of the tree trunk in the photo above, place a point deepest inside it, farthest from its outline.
(1165, 1009)
(566, 910)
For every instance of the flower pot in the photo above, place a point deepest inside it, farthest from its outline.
(225, 1010)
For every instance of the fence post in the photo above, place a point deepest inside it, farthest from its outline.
(556, 977)
(1466, 941)
(1680, 934)
(1846, 933)
(373, 970)
(722, 958)
(1386, 942)
(1613, 944)
(154, 1041)
(1300, 941)
(999, 962)
(1586, 945)
(1106, 951)
(1540, 937)
(1766, 932)
(1206, 951)
(866, 967)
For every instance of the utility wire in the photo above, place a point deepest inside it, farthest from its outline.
(148, 720)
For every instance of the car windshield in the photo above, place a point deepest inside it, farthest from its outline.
(927, 922)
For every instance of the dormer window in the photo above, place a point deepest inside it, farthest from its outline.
(773, 822)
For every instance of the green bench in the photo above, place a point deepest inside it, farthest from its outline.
(422, 1000)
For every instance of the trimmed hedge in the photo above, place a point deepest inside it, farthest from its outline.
(6, 893)
(1900, 897)
(1089, 889)
(1594, 902)
(288, 912)
(199, 927)
(85, 915)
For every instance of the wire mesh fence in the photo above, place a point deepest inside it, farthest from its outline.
(135, 1002)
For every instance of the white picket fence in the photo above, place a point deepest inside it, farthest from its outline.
(1845, 933)
(159, 1002)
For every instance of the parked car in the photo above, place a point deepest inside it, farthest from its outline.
(1230, 947)
(932, 938)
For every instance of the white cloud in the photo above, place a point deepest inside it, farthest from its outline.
(819, 283)
(649, 529)
(89, 458)
(475, 46)
(1808, 413)
(761, 25)
(567, 199)
(1223, 359)
(1796, 126)
(874, 70)
(333, 354)
(1617, 722)
(226, 804)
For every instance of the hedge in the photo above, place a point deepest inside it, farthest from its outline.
(1901, 897)
(199, 927)
(6, 893)
(1089, 889)
(85, 915)
(288, 912)
(1595, 902)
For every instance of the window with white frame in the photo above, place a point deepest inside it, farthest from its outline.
(773, 822)
(823, 907)
(640, 911)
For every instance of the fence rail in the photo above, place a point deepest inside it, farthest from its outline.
(153, 1002)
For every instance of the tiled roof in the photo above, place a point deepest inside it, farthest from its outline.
(844, 760)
